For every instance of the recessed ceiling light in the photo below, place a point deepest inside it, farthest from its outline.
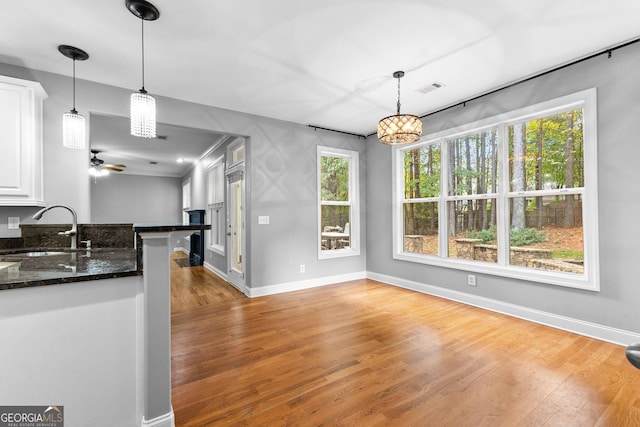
(431, 87)
(180, 160)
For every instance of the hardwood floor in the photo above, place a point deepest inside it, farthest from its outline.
(362, 353)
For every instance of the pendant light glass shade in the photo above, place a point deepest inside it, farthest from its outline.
(73, 130)
(143, 115)
(73, 124)
(399, 128)
(143, 105)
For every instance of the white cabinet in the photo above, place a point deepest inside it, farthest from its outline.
(21, 142)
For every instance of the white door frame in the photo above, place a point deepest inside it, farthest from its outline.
(236, 246)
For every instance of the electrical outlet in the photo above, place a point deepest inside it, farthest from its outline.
(471, 280)
(13, 223)
(302, 268)
(264, 220)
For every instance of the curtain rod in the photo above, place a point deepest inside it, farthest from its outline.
(314, 127)
(607, 51)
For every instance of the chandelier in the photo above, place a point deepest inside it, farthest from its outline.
(143, 105)
(73, 127)
(400, 128)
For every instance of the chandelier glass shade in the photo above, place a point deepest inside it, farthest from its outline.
(73, 130)
(143, 105)
(399, 128)
(143, 115)
(73, 124)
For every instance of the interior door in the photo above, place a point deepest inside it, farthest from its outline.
(235, 228)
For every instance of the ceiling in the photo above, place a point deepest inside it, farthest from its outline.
(327, 63)
(110, 135)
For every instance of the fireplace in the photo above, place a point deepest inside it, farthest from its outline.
(196, 251)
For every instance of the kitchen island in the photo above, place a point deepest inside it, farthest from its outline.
(90, 330)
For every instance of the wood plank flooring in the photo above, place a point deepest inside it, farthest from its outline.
(362, 353)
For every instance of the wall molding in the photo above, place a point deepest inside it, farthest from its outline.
(588, 329)
(261, 291)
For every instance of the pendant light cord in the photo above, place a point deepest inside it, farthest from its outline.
(398, 95)
(74, 86)
(142, 26)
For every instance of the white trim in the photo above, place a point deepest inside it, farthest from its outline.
(261, 291)
(166, 420)
(221, 274)
(354, 201)
(581, 327)
(590, 279)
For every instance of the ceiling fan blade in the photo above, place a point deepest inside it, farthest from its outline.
(112, 168)
(118, 165)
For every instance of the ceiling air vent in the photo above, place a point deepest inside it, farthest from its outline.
(430, 87)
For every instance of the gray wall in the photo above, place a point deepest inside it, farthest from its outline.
(281, 174)
(121, 198)
(617, 304)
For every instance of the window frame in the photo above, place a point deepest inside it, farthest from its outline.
(216, 207)
(353, 203)
(590, 280)
(186, 200)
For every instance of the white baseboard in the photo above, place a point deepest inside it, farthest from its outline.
(221, 274)
(166, 420)
(261, 291)
(592, 330)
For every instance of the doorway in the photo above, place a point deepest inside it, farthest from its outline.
(236, 260)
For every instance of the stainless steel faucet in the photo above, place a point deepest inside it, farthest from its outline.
(73, 233)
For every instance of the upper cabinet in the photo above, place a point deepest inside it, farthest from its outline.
(21, 142)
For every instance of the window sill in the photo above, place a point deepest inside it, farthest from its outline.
(216, 249)
(569, 280)
(337, 253)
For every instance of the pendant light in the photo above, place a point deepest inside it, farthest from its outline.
(143, 105)
(73, 127)
(400, 128)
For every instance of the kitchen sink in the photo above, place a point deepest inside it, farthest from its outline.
(33, 254)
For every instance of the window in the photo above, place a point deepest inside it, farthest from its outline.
(215, 205)
(186, 200)
(338, 203)
(514, 195)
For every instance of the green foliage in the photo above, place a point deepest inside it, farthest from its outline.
(526, 236)
(422, 172)
(546, 141)
(568, 254)
(334, 178)
(523, 237)
(487, 235)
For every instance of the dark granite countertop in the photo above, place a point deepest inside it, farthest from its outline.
(142, 228)
(56, 265)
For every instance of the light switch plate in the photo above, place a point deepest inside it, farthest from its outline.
(13, 223)
(263, 219)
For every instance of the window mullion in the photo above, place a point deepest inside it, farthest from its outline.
(502, 199)
(443, 221)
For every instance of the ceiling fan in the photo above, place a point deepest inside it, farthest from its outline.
(98, 167)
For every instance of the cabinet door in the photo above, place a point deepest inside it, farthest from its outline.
(20, 142)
